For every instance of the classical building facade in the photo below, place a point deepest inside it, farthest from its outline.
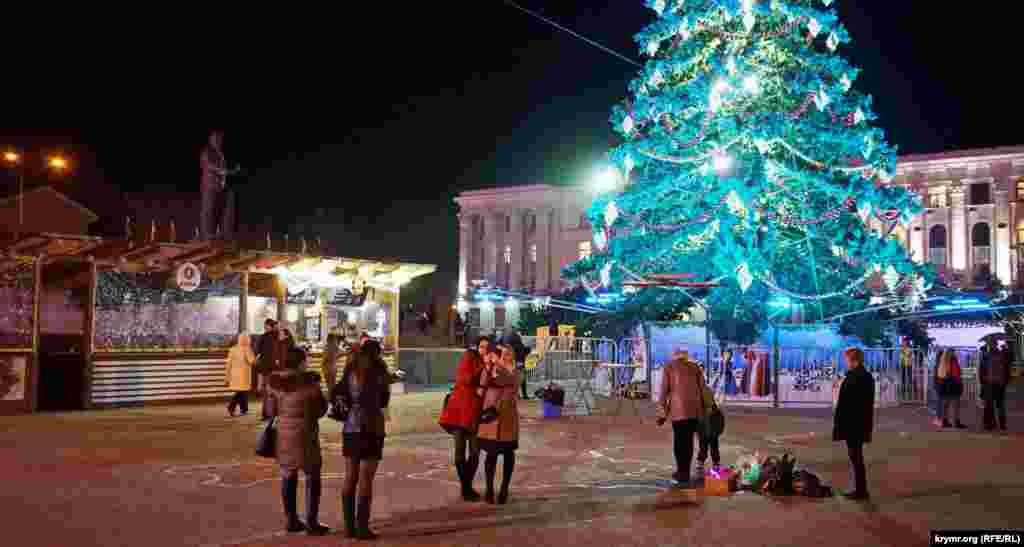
(520, 237)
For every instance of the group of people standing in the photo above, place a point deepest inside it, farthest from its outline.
(948, 387)
(482, 414)
(293, 397)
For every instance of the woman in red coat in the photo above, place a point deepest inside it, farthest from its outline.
(461, 415)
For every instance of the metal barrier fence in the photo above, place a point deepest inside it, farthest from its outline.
(747, 374)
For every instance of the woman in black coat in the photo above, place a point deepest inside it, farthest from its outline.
(855, 417)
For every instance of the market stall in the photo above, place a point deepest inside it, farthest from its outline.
(92, 322)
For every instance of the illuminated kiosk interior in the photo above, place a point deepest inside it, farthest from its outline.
(91, 322)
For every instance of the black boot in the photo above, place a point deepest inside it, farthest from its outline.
(363, 518)
(466, 481)
(313, 526)
(289, 493)
(348, 507)
(489, 470)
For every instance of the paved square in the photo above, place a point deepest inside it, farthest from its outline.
(186, 475)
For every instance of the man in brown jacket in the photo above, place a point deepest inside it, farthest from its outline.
(994, 373)
(681, 399)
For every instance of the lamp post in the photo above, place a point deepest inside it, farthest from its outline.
(13, 159)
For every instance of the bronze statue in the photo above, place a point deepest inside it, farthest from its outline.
(217, 207)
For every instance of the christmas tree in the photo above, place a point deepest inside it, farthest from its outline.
(749, 159)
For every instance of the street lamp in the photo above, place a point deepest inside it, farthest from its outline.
(13, 160)
(607, 179)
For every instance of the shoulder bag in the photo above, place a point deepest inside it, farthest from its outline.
(266, 443)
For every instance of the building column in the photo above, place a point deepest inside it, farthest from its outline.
(958, 231)
(1001, 241)
(543, 241)
(243, 305)
(465, 250)
(515, 239)
(491, 251)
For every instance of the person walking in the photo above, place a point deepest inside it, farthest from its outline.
(500, 437)
(855, 418)
(297, 403)
(906, 371)
(238, 374)
(951, 388)
(520, 352)
(364, 394)
(681, 400)
(461, 415)
(332, 349)
(994, 374)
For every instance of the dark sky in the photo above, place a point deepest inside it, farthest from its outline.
(383, 112)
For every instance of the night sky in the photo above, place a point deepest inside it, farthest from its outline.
(382, 113)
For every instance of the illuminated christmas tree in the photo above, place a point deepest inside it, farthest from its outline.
(750, 160)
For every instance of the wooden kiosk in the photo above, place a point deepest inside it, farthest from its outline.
(93, 322)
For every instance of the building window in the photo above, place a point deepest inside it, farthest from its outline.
(937, 197)
(1020, 233)
(508, 254)
(1020, 189)
(981, 243)
(585, 249)
(508, 224)
(533, 253)
(937, 245)
(981, 193)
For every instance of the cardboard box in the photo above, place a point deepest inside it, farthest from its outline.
(723, 485)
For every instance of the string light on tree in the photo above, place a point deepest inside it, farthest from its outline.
(721, 185)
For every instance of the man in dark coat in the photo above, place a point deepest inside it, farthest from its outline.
(994, 374)
(265, 359)
(519, 349)
(855, 417)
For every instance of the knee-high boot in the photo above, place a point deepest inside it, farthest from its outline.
(289, 493)
(466, 481)
(348, 507)
(313, 490)
(363, 518)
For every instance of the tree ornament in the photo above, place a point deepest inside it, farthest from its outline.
(821, 100)
(730, 65)
(656, 78)
(653, 47)
(833, 42)
(606, 275)
(763, 147)
(749, 19)
(743, 276)
(858, 116)
(813, 27)
(627, 124)
(845, 82)
(750, 85)
(601, 240)
(864, 211)
(659, 6)
(611, 212)
(628, 164)
(684, 31)
(891, 278)
(827, 2)
(869, 147)
(735, 204)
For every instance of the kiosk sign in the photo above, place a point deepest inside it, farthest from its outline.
(188, 277)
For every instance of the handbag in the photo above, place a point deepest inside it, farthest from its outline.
(266, 443)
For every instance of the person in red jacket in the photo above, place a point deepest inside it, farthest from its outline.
(461, 415)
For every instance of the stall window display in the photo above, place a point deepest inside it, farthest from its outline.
(16, 306)
(141, 312)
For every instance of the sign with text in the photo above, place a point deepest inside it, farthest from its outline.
(345, 297)
(306, 297)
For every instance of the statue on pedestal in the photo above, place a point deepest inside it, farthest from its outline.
(217, 213)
